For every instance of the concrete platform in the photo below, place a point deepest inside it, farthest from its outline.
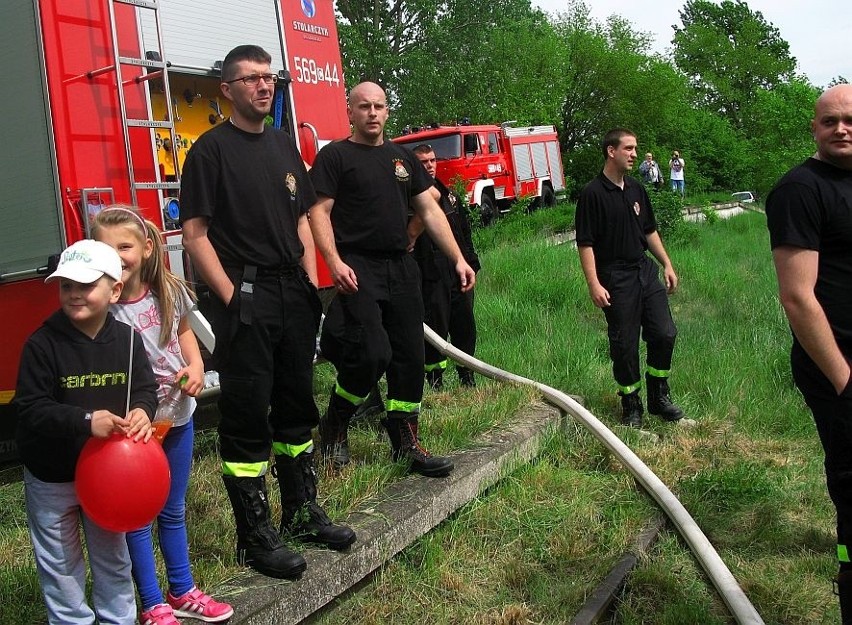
(404, 512)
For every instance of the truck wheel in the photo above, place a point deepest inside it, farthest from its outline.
(487, 210)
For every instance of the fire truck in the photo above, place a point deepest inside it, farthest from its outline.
(103, 98)
(497, 164)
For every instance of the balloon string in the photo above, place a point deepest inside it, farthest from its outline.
(129, 373)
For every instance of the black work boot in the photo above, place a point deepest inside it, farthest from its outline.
(466, 377)
(258, 544)
(659, 402)
(435, 379)
(402, 429)
(843, 590)
(301, 516)
(373, 405)
(334, 431)
(631, 409)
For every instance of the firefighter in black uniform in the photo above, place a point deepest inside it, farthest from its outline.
(449, 310)
(244, 201)
(809, 215)
(365, 186)
(615, 226)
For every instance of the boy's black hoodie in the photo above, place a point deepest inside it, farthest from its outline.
(64, 375)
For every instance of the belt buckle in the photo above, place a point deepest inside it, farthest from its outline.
(247, 288)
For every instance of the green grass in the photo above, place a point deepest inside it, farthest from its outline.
(531, 548)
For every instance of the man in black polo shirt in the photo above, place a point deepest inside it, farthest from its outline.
(615, 226)
(809, 214)
(365, 186)
(244, 201)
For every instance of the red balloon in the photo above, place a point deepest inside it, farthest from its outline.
(122, 485)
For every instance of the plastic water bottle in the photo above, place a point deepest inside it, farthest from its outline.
(168, 411)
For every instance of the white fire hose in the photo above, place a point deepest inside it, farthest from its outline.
(741, 608)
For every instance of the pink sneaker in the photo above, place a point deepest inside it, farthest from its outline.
(160, 614)
(196, 604)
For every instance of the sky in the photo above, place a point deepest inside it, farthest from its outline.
(818, 31)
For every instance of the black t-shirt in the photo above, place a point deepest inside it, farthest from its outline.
(614, 222)
(371, 187)
(811, 208)
(253, 187)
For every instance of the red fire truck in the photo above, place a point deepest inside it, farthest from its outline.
(103, 99)
(498, 164)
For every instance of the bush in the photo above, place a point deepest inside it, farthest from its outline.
(668, 209)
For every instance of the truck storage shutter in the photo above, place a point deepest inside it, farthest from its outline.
(556, 164)
(539, 157)
(193, 39)
(29, 200)
(523, 164)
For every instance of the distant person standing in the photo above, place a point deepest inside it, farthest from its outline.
(676, 166)
(615, 227)
(809, 215)
(650, 171)
(449, 310)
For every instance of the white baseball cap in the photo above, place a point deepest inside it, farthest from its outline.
(86, 261)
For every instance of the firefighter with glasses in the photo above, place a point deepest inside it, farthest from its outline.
(245, 195)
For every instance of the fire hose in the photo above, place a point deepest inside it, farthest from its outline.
(738, 604)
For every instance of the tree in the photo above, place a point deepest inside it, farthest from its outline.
(729, 52)
(376, 34)
(781, 134)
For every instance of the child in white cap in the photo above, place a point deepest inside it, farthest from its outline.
(73, 384)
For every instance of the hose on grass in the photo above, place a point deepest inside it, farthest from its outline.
(739, 605)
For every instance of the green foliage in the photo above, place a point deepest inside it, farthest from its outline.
(730, 52)
(457, 186)
(668, 210)
(710, 215)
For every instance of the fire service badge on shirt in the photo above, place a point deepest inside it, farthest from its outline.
(290, 181)
(400, 171)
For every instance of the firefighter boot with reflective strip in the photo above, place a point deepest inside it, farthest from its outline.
(631, 409)
(402, 429)
(659, 402)
(334, 431)
(843, 590)
(258, 544)
(301, 516)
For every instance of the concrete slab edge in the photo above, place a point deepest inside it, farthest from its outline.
(386, 525)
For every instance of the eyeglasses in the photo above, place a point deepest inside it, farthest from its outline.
(252, 79)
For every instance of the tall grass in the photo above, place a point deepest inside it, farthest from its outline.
(532, 548)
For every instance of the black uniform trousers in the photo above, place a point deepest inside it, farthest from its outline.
(382, 328)
(462, 320)
(449, 312)
(638, 301)
(437, 287)
(833, 418)
(264, 354)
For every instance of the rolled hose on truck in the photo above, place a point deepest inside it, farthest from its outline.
(740, 607)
